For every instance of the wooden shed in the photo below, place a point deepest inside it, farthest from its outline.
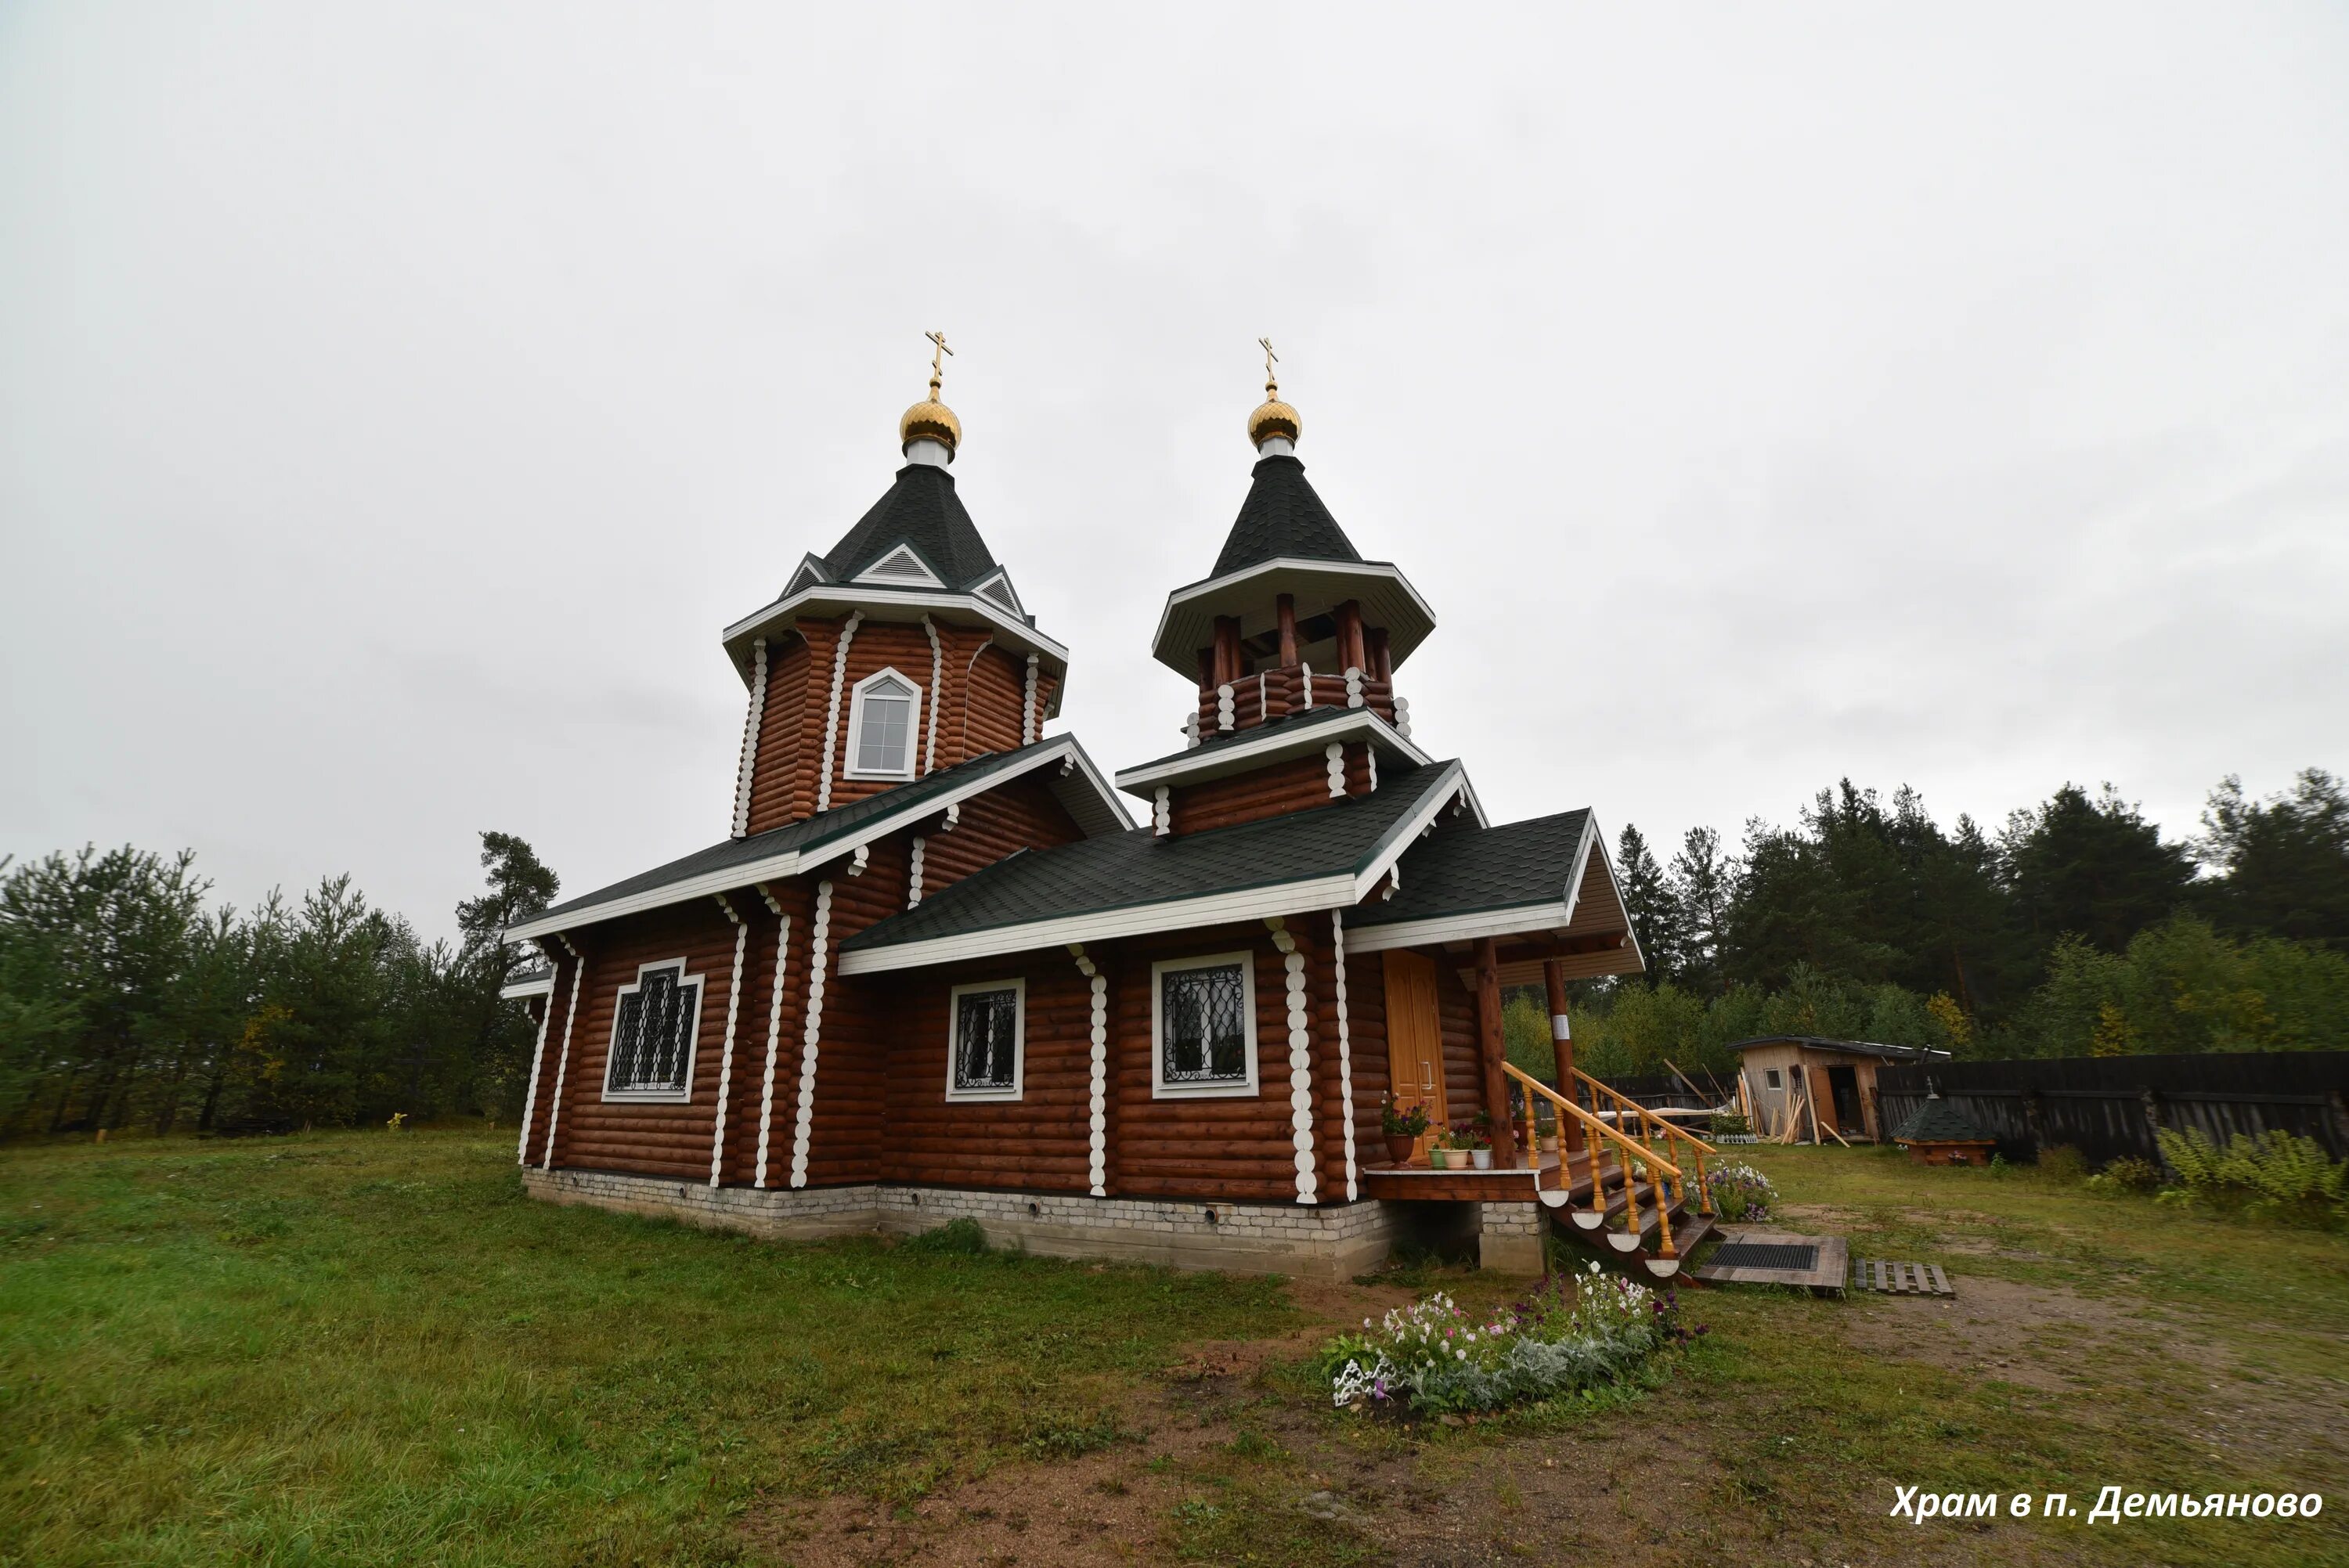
(1820, 1089)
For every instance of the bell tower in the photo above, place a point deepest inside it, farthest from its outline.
(1291, 618)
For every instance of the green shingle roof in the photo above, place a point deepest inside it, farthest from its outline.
(1463, 869)
(1282, 516)
(1938, 1121)
(921, 510)
(809, 833)
(1127, 871)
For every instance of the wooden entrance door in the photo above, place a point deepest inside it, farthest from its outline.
(1414, 1038)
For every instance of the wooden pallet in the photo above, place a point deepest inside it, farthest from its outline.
(1900, 1279)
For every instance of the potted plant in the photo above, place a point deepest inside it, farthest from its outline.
(1471, 1140)
(1440, 1151)
(1404, 1126)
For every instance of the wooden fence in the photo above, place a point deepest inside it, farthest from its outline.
(2106, 1106)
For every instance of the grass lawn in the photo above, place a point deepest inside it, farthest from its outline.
(370, 1348)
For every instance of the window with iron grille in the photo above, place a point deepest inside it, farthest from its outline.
(881, 726)
(1203, 1013)
(653, 1034)
(987, 1047)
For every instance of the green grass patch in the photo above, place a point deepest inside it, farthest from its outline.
(373, 1348)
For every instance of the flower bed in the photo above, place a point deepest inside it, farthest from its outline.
(1740, 1193)
(1432, 1358)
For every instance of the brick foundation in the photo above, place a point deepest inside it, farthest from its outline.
(1330, 1241)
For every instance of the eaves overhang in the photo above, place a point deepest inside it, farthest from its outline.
(1188, 621)
(1251, 749)
(1106, 810)
(881, 602)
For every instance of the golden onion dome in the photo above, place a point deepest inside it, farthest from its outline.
(1273, 417)
(930, 421)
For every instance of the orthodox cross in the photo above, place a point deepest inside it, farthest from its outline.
(1271, 383)
(937, 365)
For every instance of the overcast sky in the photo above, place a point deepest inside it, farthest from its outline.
(396, 400)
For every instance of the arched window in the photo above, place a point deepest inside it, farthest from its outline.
(882, 720)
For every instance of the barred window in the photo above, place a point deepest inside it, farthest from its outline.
(1204, 1014)
(881, 724)
(987, 1043)
(653, 1034)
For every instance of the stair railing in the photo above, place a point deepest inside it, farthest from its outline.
(1626, 1152)
(1673, 1136)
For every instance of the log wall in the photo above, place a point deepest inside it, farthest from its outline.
(1277, 789)
(1279, 693)
(648, 1139)
(978, 700)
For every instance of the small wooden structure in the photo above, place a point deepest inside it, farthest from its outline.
(1939, 1134)
(1801, 1088)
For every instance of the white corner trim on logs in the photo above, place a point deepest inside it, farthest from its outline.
(1300, 1062)
(750, 760)
(832, 713)
(1345, 1047)
(819, 948)
(1097, 1167)
(537, 1061)
(774, 1030)
(562, 1064)
(726, 1054)
(937, 694)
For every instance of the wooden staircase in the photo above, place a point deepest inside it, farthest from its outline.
(1606, 1230)
(1626, 1198)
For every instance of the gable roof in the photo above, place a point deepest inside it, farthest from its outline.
(921, 510)
(815, 841)
(1465, 869)
(1283, 516)
(1133, 884)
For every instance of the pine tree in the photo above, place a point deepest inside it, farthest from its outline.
(1647, 901)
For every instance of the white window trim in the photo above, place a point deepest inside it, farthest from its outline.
(692, 1039)
(1159, 1088)
(857, 727)
(1772, 1081)
(1019, 987)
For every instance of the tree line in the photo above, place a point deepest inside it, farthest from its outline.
(126, 1001)
(2074, 929)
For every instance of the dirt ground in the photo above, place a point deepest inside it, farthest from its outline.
(1644, 1486)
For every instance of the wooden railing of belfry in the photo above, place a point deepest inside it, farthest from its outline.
(1649, 1124)
(1626, 1152)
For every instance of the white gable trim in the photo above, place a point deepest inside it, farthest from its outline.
(902, 565)
(997, 587)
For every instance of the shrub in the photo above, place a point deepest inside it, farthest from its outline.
(2134, 1174)
(2063, 1162)
(1740, 1193)
(1432, 1358)
(2274, 1175)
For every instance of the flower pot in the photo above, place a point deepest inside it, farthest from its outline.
(1549, 1143)
(1439, 1159)
(1400, 1146)
(1482, 1158)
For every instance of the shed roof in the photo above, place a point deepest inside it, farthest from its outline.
(1852, 1047)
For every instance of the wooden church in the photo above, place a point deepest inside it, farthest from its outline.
(936, 970)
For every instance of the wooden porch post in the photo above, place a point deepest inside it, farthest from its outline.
(1570, 1130)
(1284, 605)
(1490, 1048)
